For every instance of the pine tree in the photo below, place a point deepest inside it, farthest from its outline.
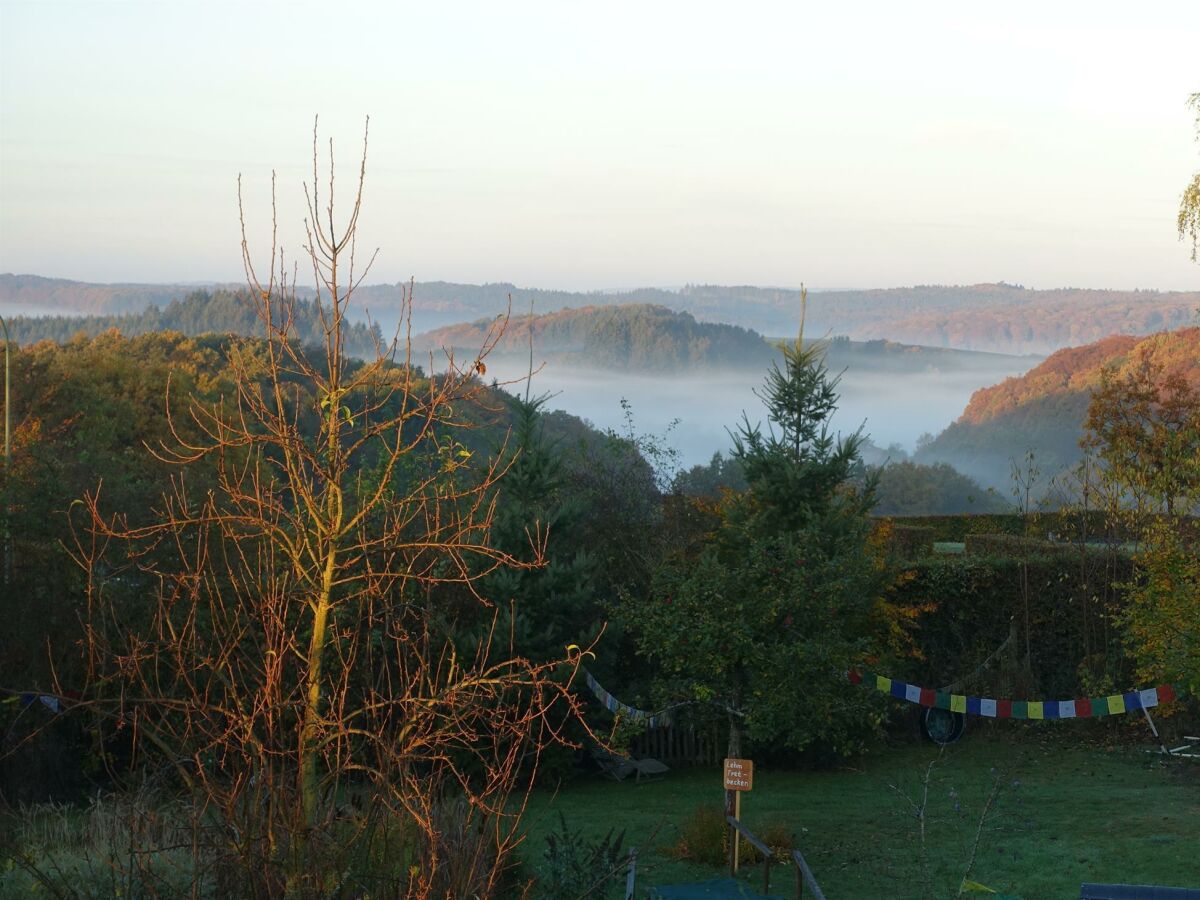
(555, 604)
(763, 622)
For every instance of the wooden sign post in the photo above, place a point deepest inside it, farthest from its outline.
(739, 777)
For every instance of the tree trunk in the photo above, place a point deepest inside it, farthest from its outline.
(310, 732)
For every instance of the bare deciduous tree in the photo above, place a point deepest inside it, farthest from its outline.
(295, 664)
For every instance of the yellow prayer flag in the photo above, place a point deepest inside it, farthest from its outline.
(883, 684)
(1116, 704)
(1035, 710)
(958, 703)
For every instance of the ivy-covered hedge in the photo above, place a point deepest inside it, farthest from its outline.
(955, 528)
(1093, 525)
(1014, 545)
(1064, 605)
(908, 542)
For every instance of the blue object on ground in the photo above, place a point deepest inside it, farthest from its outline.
(719, 889)
(1136, 892)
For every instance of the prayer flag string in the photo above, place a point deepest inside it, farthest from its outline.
(613, 705)
(1079, 708)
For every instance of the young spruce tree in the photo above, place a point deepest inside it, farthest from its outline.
(788, 593)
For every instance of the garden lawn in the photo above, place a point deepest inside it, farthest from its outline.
(1061, 816)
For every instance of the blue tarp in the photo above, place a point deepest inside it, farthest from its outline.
(1136, 892)
(719, 889)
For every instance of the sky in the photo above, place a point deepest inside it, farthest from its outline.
(604, 146)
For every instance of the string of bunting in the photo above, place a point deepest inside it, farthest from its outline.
(1080, 708)
(613, 705)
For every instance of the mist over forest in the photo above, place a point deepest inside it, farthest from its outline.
(891, 408)
(686, 381)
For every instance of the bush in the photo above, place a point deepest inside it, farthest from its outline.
(574, 867)
(777, 835)
(704, 837)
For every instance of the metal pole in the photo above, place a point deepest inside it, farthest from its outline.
(1150, 722)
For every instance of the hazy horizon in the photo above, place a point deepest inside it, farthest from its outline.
(559, 146)
(676, 287)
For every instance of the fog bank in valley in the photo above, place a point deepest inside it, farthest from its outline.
(892, 407)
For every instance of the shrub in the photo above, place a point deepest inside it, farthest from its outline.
(703, 837)
(574, 867)
(777, 835)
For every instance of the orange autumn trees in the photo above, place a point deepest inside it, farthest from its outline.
(1144, 427)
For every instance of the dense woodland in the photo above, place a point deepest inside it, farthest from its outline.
(197, 313)
(1044, 411)
(658, 340)
(637, 338)
(1000, 318)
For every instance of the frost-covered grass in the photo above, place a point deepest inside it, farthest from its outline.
(1062, 816)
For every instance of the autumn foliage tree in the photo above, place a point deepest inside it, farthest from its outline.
(293, 659)
(1145, 430)
(1189, 205)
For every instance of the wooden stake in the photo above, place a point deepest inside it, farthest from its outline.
(737, 835)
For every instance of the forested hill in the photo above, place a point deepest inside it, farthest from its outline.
(1000, 318)
(637, 337)
(995, 318)
(1044, 409)
(58, 295)
(200, 312)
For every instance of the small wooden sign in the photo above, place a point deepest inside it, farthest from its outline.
(739, 774)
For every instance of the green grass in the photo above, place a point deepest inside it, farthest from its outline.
(1063, 816)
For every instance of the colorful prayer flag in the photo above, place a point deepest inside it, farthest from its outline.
(1079, 708)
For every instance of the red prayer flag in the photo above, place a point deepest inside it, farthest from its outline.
(1083, 708)
(928, 697)
(1003, 709)
(1166, 693)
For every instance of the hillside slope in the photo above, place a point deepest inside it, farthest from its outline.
(1001, 318)
(1044, 409)
(199, 312)
(649, 338)
(637, 337)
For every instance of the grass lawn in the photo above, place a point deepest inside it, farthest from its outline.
(1064, 815)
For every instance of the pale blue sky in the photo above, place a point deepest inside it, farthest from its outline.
(611, 145)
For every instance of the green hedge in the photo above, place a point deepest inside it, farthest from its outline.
(1014, 545)
(1074, 645)
(1064, 525)
(909, 542)
(954, 529)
